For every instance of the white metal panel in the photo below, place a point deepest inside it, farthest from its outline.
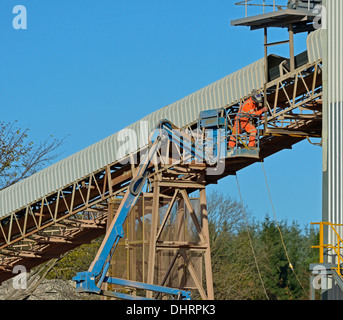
(332, 126)
(334, 98)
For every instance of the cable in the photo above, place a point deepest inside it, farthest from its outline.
(277, 225)
(250, 241)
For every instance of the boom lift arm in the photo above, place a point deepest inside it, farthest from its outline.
(91, 280)
(203, 150)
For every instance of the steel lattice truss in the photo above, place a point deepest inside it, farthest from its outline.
(77, 213)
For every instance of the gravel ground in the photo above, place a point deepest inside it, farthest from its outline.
(47, 290)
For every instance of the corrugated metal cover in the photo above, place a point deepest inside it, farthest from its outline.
(314, 45)
(111, 149)
(332, 128)
(334, 97)
(335, 52)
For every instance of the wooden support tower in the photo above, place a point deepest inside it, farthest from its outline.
(179, 237)
(167, 234)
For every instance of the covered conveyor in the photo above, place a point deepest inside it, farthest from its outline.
(62, 206)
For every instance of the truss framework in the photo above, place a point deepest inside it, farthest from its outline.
(77, 213)
(294, 100)
(180, 183)
(166, 239)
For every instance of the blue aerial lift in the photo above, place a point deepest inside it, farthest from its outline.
(211, 150)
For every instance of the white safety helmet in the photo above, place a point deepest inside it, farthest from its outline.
(257, 96)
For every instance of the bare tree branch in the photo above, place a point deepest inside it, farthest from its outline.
(20, 157)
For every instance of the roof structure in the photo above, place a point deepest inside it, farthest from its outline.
(280, 19)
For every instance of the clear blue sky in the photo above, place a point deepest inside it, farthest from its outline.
(86, 69)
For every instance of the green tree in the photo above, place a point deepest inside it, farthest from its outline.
(233, 262)
(284, 255)
(251, 260)
(77, 260)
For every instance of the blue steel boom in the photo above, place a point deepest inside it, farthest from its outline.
(210, 149)
(91, 280)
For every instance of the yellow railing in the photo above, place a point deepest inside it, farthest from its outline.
(337, 248)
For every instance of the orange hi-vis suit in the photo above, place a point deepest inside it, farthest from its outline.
(243, 122)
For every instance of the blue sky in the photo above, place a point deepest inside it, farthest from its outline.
(86, 69)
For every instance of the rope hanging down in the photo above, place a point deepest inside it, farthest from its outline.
(250, 241)
(277, 225)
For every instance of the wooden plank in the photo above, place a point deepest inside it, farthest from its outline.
(166, 216)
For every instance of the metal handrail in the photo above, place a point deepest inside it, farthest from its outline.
(264, 5)
(242, 137)
(337, 248)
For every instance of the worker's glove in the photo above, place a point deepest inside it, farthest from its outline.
(263, 111)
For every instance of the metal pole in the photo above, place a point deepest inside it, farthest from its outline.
(207, 255)
(152, 242)
(325, 122)
(291, 47)
(110, 210)
(265, 75)
(312, 291)
(321, 242)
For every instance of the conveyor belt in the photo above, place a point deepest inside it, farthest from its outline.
(64, 206)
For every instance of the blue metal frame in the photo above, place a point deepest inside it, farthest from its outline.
(244, 152)
(215, 120)
(182, 294)
(91, 280)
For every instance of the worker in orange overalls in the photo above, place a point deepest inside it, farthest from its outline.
(244, 119)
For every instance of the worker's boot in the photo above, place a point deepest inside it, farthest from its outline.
(252, 146)
(231, 145)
